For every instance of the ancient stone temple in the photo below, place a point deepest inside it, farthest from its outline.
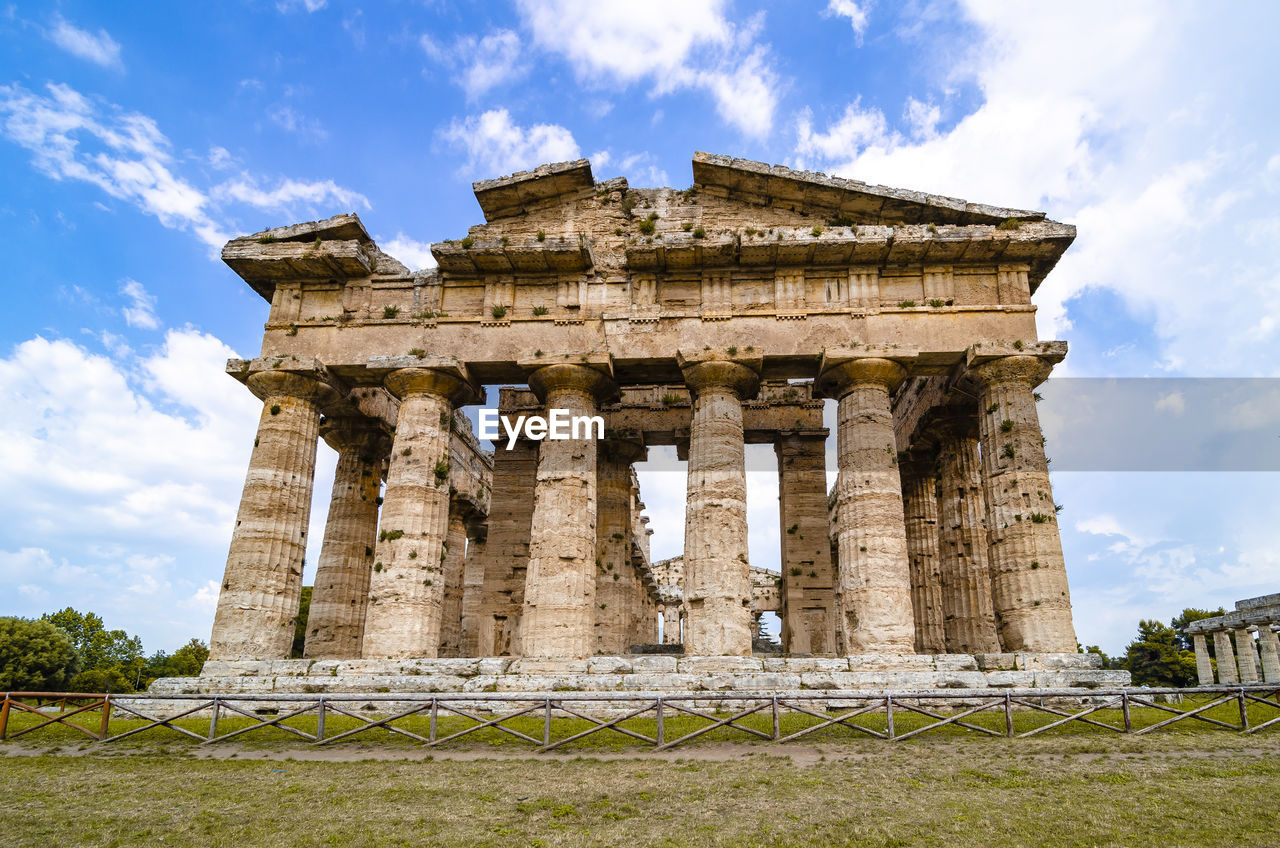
(709, 318)
(1255, 655)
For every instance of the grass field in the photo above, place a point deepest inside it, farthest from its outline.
(1178, 787)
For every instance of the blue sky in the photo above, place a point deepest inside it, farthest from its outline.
(135, 139)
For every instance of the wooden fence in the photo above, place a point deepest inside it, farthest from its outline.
(91, 714)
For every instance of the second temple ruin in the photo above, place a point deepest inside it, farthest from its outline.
(707, 319)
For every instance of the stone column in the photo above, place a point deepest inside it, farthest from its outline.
(335, 624)
(1204, 667)
(968, 617)
(617, 589)
(717, 587)
(560, 586)
(407, 587)
(807, 585)
(671, 624)
(1028, 574)
(1270, 646)
(262, 584)
(506, 559)
(920, 508)
(1246, 656)
(473, 600)
(874, 584)
(1226, 657)
(455, 548)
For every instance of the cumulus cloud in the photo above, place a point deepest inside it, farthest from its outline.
(480, 64)
(125, 154)
(855, 12)
(99, 48)
(497, 145)
(673, 44)
(415, 254)
(141, 311)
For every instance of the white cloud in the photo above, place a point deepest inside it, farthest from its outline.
(480, 64)
(1124, 130)
(674, 44)
(495, 145)
(1173, 403)
(291, 120)
(856, 13)
(415, 254)
(141, 311)
(284, 7)
(101, 49)
(72, 137)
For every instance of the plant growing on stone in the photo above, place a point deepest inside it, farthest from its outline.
(699, 232)
(467, 242)
(1007, 452)
(542, 236)
(390, 535)
(1006, 426)
(1009, 224)
(442, 471)
(539, 310)
(936, 303)
(417, 351)
(687, 226)
(816, 231)
(390, 311)
(906, 304)
(499, 311)
(275, 409)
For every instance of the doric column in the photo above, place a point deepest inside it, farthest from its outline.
(560, 586)
(335, 624)
(506, 559)
(1204, 667)
(968, 617)
(717, 587)
(617, 586)
(920, 508)
(262, 583)
(451, 599)
(671, 624)
(1226, 657)
(1246, 656)
(1028, 575)
(407, 587)
(1270, 647)
(807, 585)
(873, 590)
(473, 600)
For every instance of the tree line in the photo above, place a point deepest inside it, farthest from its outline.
(70, 651)
(1161, 654)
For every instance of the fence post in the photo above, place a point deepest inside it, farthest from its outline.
(435, 711)
(1124, 706)
(776, 733)
(888, 712)
(659, 737)
(213, 719)
(1008, 715)
(4, 718)
(320, 721)
(1244, 709)
(106, 716)
(546, 725)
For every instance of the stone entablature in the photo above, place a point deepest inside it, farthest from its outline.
(707, 318)
(1250, 660)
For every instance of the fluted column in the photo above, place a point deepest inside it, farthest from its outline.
(1028, 574)
(1204, 667)
(717, 587)
(506, 557)
(874, 583)
(560, 585)
(807, 585)
(473, 600)
(671, 624)
(262, 583)
(920, 509)
(617, 587)
(1226, 657)
(1270, 648)
(1246, 656)
(407, 587)
(967, 612)
(335, 624)
(451, 600)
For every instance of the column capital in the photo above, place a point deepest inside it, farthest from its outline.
(1030, 371)
(454, 384)
(266, 384)
(840, 377)
(708, 374)
(620, 449)
(350, 432)
(573, 377)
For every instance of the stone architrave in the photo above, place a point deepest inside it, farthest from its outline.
(873, 591)
(1028, 574)
(560, 585)
(1269, 645)
(406, 590)
(1246, 656)
(451, 601)
(1226, 657)
(968, 617)
(717, 574)
(920, 509)
(1204, 666)
(617, 585)
(335, 623)
(262, 584)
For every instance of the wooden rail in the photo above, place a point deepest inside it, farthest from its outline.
(832, 709)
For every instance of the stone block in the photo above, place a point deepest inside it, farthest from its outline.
(653, 664)
(955, 662)
(547, 665)
(288, 668)
(797, 665)
(770, 681)
(609, 665)
(890, 662)
(492, 665)
(1010, 679)
(997, 662)
(718, 665)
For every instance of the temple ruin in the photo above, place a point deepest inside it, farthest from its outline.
(1249, 660)
(708, 319)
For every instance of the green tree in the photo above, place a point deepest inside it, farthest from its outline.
(1155, 660)
(35, 656)
(184, 662)
(110, 660)
(300, 624)
(1189, 615)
